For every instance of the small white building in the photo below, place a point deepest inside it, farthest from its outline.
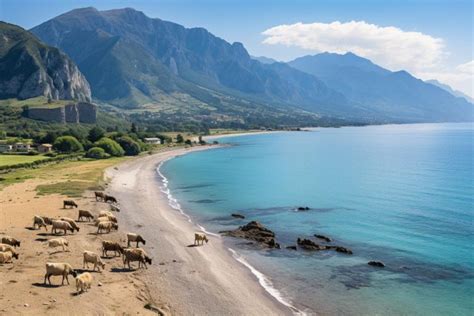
(153, 140)
(45, 148)
(22, 147)
(5, 148)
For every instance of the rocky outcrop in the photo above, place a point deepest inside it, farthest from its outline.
(379, 264)
(30, 69)
(81, 112)
(308, 244)
(302, 208)
(254, 231)
(325, 238)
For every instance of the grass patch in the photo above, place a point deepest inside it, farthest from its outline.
(17, 159)
(73, 177)
(68, 188)
(38, 102)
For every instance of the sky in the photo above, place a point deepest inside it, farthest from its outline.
(431, 39)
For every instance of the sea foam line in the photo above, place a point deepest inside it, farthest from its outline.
(266, 283)
(262, 279)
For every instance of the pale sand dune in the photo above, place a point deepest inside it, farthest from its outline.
(203, 280)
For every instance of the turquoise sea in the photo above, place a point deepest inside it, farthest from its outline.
(401, 194)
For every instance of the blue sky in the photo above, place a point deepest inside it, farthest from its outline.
(441, 32)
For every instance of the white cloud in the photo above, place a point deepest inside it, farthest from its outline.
(467, 68)
(388, 46)
(460, 78)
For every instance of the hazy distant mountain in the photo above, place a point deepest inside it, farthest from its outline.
(264, 60)
(397, 95)
(456, 93)
(131, 59)
(30, 68)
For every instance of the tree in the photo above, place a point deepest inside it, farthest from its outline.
(50, 137)
(110, 146)
(134, 128)
(201, 141)
(97, 153)
(96, 133)
(67, 144)
(179, 138)
(188, 142)
(131, 147)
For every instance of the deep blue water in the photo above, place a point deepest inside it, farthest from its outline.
(401, 194)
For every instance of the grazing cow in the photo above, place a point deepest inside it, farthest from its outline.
(63, 269)
(70, 203)
(71, 222)
(9, 248)
(131, 237)
(11, 241)
(111, 246)
(99, 196)
(135, 254)
(83, 282)
(111, 199)
(61, 225)
(39, 221)
(200, 238)
(92, 257)
(58, 242)
(83, 213)
(106, 226)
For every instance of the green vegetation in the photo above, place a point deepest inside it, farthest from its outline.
(131, 147)
(110, 146)
(6, 160)
(67, 144)
(97, 153)
(38, 102)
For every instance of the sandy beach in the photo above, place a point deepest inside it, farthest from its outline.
(204, 280)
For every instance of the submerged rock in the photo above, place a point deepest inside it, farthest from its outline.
(302, 208)
(236, 215)
(291, 247)
(254, 231)
(379, 264)
(308, 244)
(327, 239)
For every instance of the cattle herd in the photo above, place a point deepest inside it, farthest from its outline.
(105, 222)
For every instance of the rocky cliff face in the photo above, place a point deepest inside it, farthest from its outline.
(30, 68)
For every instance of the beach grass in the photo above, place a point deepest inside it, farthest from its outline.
(69, 178)
(8, 160)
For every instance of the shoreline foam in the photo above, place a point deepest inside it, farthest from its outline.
(184, 271)
(262, 279)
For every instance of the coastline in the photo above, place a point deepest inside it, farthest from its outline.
(189, 279)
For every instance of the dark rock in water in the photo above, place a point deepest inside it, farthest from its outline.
(376, 264)
(254, 231)
(327, 239)
(308, 244)
(238, 215)
(342, 249)
(303, 208)
(291, 247)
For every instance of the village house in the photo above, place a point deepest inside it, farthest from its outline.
(45, 148)
(21, 147)
(153, 140)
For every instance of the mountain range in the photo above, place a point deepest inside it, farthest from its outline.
(396, 95)
(159, 70)
(30, 68)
